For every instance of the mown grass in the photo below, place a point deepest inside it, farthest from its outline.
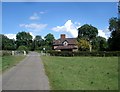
(82, 73)
(6, 62)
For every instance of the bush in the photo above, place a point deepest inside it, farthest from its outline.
(84, 53)
(23, 48)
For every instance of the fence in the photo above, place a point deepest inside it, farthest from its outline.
(7, 53)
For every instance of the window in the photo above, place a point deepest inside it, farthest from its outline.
(65, 43)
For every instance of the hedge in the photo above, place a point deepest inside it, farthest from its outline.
(84, 53)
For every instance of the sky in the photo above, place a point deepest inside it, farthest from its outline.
(41, 18)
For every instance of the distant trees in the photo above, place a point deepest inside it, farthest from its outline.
(6, 43)
(83, 45)
(114, 40)
(25, 39)
(99, 44)
(88, 33)
(49, 39)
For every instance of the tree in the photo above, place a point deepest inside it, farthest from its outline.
(99, 43)
(49, 39)
(87, 32)
(38, 42)
(23, 48)
(83, 45)
(7, 44)
(24, 38)
(114, 40)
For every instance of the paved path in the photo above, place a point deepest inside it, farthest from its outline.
(27, 75)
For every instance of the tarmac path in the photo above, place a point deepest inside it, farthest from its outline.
(29, 74)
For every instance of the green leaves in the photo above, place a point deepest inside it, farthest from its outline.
(87, 31)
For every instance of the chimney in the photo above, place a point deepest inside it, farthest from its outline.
(62, 36)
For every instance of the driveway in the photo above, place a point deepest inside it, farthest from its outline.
(29, 74)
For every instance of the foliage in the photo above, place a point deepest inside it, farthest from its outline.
(49, 39)
(85, 53)
(38, 42)
(7, 44)
(88, 32)
(23, 48)
(99, 43)
(24, 38)
(83, 45)
(114, 40)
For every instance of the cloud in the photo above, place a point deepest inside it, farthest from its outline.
(11, 36)
(34, 26)
(42, 12)
(68, 27)
(34, 17)
(103, 34)
(32, 35)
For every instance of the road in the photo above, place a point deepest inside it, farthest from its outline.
(29, 74)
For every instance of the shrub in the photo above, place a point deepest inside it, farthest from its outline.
(23, 48)
(84, 53)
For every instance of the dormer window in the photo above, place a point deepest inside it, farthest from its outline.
(65, 43)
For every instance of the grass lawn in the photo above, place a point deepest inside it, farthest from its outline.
(7, 62)
(82, 73)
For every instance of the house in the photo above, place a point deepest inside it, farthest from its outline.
(65, 44)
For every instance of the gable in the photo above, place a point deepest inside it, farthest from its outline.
(66, 40)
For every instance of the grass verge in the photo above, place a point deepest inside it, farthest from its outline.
(82, 73)
(6, 62)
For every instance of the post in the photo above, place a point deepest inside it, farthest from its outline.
(24, 52)
(13, 53)
(90, 46)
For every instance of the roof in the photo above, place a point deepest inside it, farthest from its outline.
(69, 40)
(66, 47)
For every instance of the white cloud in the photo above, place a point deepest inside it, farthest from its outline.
(34, 17)
(42, 12)
(68, 27)
(34, 26)
(11, 36)
(32, 35)
(102, 34)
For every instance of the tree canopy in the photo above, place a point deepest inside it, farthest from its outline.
(114, 40)
(24, 38)
(49, 39)
(88, 32)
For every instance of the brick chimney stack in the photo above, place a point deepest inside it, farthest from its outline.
(63, 36)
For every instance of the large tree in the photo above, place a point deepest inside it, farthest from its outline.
(38, 42)
(25, 39)
(99, 43)
(87, 32)
(49, 39)
(114, 40)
